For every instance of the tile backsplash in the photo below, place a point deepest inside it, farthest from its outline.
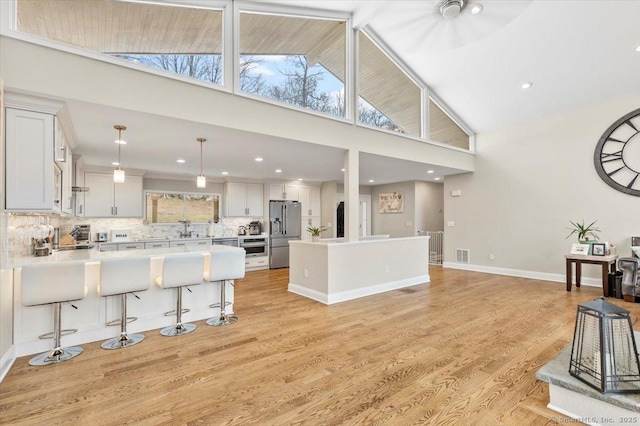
(21, 228)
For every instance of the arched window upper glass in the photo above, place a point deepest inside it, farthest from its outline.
(180, 40)
(295, 60)
(388, 99)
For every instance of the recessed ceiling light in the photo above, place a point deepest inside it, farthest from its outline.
(259, 159)
(115, 163)
(225, 173)
(638, 48)
(180, 160)
(342, 170)
(299, 178)
(371, 180)
(476, 9)
(436, 178)
(527, 85)
(429, 171)
(278, 170)
(120, 142)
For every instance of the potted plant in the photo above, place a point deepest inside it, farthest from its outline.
(315, 232)
(584, 232)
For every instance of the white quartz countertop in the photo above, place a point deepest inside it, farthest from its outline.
(173, 239)
(97, 256)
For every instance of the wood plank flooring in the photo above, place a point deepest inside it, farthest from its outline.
(462, 350)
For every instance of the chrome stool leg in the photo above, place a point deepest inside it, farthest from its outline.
(223, 318)
(123, 340)
(58, 353)
(179, 328)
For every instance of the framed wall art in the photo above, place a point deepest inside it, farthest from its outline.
(391, 202)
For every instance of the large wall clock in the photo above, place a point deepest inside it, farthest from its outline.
(617, 155)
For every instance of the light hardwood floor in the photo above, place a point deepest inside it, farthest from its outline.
(463, 350)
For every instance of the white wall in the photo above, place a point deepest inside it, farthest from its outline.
(394, 224)
(530, 180)
(429, 206)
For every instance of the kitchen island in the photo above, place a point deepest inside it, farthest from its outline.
(95, 311)
(332, 271)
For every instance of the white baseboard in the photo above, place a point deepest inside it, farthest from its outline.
(7, 361)
(330, 299)
(544, 276)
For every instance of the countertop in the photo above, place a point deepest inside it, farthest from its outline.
(97, 256)
(173, 239)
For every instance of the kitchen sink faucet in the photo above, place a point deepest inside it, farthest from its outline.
(186, 233)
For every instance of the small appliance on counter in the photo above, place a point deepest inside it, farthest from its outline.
(100, 237)
(81, 232)
(255, 227)
(41, 247)
(242, 230)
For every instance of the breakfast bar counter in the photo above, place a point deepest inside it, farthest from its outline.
(95, 311)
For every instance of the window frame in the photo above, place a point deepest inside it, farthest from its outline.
(184, 206)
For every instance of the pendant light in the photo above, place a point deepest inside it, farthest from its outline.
(201, 181)
(118, 174)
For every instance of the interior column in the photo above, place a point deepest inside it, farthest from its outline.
(351, 194)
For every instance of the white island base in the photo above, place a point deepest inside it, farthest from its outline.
(333, 271)
(94, 311)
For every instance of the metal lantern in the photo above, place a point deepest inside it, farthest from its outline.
(604, 353)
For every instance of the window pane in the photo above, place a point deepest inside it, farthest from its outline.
(181, 40)
(201, 207)
(298, 61)
(388, 90)
(165, 208)
(443, 129)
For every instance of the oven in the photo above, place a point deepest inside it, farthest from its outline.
(255, 246)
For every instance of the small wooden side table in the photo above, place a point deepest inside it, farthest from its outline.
(608, 263)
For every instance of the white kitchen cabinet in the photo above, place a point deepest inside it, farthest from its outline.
(310, 199)
(78, 183)
(104, 198)
(130, 246)
(190, 243)
(256, 263)
(156, 244)
(244, 199)
(282, 191)
(30, 183)
(64, 161)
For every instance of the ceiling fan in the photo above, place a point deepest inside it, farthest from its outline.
(433, 26)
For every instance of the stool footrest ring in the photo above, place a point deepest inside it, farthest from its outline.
(173, 312)
(64, 332)
(118, 321)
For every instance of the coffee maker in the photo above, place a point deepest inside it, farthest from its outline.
(255, 228)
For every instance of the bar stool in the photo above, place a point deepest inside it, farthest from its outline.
(117, 278)
(224, 265)
(180, 270)
(52, 284)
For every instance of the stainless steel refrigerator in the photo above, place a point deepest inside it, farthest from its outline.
(284, 226)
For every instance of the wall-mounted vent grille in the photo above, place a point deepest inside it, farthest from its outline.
(462, 255)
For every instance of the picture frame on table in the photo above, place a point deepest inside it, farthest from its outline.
(580, 249)
(598, 249)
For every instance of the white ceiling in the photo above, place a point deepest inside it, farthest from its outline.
(576, 53)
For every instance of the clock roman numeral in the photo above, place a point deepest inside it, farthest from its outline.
(614, 156)
(615, 140)
(616, 171)
(631, 124)
(633, 181)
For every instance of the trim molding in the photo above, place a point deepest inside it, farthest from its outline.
(330, 299)
(543, 276)
(7, 361)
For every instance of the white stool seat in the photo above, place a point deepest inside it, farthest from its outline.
(119, 277)
(47, 283)
(224, 265)
(53, 283)
(180, 270)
